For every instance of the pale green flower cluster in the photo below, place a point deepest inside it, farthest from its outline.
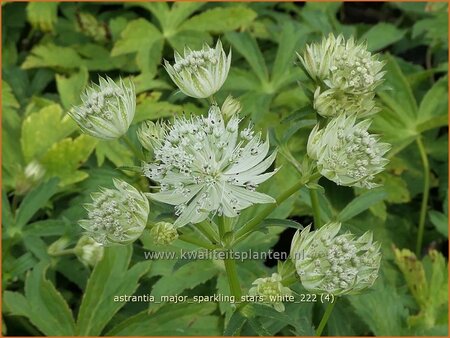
(107, 110)
(346, 74)
(337, 264)
(201, 73)
(116, 216)
(346, 153)
(271, 290)
(164, 233)
(206, 165)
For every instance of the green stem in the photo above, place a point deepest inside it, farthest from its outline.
(63, 252)
(233, 280)
(426, 191)
(206, 229)
(325, 318)
(221, 226)
(196, 241)
(254, 222)
(315, 207)
(133, 149)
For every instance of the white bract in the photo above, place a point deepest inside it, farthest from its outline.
(343, 65)
(338, 264)
(271, 290)
(88, 251)
(201, 73)
(205, 165)
(116, 216)
(346, 153)
(107, 109)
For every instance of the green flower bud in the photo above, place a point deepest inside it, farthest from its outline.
(107, 109)
(271, 290)
(151, 135)
(230, 107)
(88, 251)
(338, 264)
(346, 153)
(116, 216)
(164, 233)
(332, 103)
(201, 73)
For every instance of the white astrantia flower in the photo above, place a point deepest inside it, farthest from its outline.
(271, 290)
(200, 73)
(150, 134)
(204, 165)
(343, 65)
(230, 107)
(332, 102)
(116, 216)
(346, 153)
(107, 109)
(338, 264)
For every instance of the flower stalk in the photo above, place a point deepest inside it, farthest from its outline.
(425, 195)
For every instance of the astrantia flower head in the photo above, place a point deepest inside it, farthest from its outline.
(107, 110)
(164, 233)
(332, 102)
(200, 73)
(271, 290)
(343, 64)
(346, 153)
(338, 264)
(88, 251)
(116, 216)
(204, 165)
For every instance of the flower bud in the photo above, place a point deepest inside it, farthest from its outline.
(201, 73)
(338, 264)
(230, 107)
(116, 216)
(30, 177)
(271, 290)
(346, 153)
(88, 251)
(107, 110)
(164, 233)
(150, 134)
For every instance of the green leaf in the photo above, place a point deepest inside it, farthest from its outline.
(186, 277)
(48, 127)
(382, 35)
(114, 151)
(220, 19)
(15, 304)
(234, 325)
(427, 281)
(433, 109)
(35, 200)
(181, 319)
(43, 15)
(49, 311)
(52, 56)
(64, 157)
(361, 203)
(70, 87)
(143, 38)
(382, 309)
(149, 109)
(247, 46)
(440, 221)
(111, 277)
